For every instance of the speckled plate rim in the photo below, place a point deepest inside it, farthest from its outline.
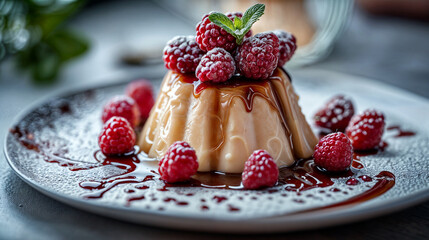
(280, 223)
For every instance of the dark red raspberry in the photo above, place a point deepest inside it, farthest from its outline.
(336, 114)
(334, 152)
(117, 137)
(210, 36)
(232, 15)
(257, 58)
(217, 66)
(182, 54)
(287, 46)
(179, 163)
(141, 92)
(260, 170)
(366, 129)
(122, 106)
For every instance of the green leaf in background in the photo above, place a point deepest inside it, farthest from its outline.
(47, 66)
(50, 45)
(50, 19)
(68, 44)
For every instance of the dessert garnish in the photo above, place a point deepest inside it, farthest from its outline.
(334, 152)
(182, 54)
(287, 44)
(258, 57)
(122, 106)
(179, 163)
(260, 171)
(216, 66)
(238, 27)
(227, 31)
(220, 83)
(366, 129)
(335, 115)
(117, 137)
(141, 91)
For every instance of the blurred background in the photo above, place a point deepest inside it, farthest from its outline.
(48, 44)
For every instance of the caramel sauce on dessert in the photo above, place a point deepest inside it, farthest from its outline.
(226, 122)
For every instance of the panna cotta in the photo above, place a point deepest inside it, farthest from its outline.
(226, 122)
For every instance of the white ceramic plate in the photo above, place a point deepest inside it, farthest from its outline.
(66, 127)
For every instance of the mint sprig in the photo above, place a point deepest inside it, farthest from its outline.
(239, 27)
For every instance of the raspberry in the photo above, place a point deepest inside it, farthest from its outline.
(257, 58)
(182, 54)
(141, 92)
(334, 152)
(366, 129)
(217, 66)
(179, 163)
(117, 137)
(336, 114)
(232, 15)
(287, 43)
(122, 106)
(210, 36)
(260, 170)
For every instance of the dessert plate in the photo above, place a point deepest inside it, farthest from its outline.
(53, 147)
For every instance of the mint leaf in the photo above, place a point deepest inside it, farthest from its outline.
(223, 21)
(253, 14)
(237, 22)
(239, 27)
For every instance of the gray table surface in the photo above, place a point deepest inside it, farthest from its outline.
(393, 51)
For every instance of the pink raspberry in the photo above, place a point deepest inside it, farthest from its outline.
(287, 43)
(117, 137)
(260, 170)
(217, 66)
(336, 114)
(182, 54)
(141, 92)
(257, 58)
(179, 163)
(210, 36)
(334, 152)
(122, 106)
(366, 129)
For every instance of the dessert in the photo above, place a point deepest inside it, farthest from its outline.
(226, 117)
(225, 123)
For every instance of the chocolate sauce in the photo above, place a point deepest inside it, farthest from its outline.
(385, 181)
(401, 132)
(243, 88)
